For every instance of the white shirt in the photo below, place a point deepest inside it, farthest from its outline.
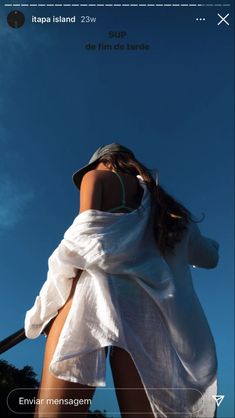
(130, 296)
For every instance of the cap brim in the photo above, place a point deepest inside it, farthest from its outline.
(78, 175)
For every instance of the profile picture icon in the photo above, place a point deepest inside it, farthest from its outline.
(15, 19)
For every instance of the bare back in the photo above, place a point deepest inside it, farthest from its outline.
(112, 193)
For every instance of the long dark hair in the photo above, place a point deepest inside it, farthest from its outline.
(170, 217)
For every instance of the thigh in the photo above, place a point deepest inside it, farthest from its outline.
(53, 388)
(131, 396)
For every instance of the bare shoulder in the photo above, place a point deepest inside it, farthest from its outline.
(90, 191)
(94, 177)
(90, 176)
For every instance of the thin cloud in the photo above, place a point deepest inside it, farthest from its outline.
(15, 46)
(14, 200)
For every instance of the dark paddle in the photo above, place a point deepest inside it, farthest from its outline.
(12, 340)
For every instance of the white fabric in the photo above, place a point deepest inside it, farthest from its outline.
(128, 295)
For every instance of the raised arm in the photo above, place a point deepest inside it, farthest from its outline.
(202, 251)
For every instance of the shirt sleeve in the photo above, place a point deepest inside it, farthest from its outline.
(202, 251)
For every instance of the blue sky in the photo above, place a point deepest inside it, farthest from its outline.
(172, 105)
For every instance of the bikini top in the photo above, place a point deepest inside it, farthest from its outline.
(123, 205)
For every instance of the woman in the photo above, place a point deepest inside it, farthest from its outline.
(163, 361)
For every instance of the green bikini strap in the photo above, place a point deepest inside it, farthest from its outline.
(123, 189)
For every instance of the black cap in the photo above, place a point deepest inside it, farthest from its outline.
(103, 150)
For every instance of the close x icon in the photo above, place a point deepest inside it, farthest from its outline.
(223, 19)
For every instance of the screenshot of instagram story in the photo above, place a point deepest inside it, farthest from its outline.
(116, 209)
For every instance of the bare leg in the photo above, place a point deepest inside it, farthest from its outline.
(132, 403)
(53, 388)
